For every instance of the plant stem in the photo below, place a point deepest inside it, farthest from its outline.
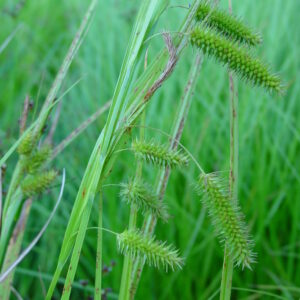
(127, 267)
(98, 280)
(227, 273)
(128, 263)
(13, 249)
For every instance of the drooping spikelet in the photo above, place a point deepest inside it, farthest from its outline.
(237, 59)
(36, 184)
(227, 219)
(142, 196)
(159, 154)
(27, 144)
(228, 25)
(32, 163)
(156, 253)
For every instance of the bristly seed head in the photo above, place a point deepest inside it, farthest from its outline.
(27, 144)
(227, 219)
(228, 25)
(160, 155)
(35, 161)
(237, 59)
(136, 244)
(36, 184)
(142, 196)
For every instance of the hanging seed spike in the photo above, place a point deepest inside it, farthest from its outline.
(36, 184)
(158, 154)
(228, 25)
(236, 58)
(227, 220)
(156, 253)
(33, 163)
(142, 196)
(27, 144)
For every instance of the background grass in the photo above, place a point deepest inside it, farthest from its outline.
(269, 182)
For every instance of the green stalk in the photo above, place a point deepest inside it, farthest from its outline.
(227, 273)
(128, 263)
(13, 249)
(98, 280)
(9, 205)
(127, 267)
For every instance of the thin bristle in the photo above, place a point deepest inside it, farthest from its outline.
(227, 219)
(160, 155)
(142, 196)
(228, 25)
(157, 254)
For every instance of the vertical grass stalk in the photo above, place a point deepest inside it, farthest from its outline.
(98, 280)
(128, 262)
(227, 273)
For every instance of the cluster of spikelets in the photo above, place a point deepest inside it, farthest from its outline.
(36, 184)
(140, 194)
(227, 219)
(135, 244)
(27, 144)
(160, 155)
(230, 26)
(32, 161)
(218, 38)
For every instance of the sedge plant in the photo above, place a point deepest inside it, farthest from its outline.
(214, 33)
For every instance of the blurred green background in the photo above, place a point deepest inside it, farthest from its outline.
(269, 140)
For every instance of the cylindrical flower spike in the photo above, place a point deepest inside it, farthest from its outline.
(27, 144)
(228, 25)
(136, 244)
(159, 154)
(227, 219)
(34, 162)
(237, 59)
(36, 184)
(141, 195)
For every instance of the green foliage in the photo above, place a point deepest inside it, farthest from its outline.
(228, 25)
(136, 244)
(142, 196)
(36, 184)
(158, 154)
(237, 59)
(227, 219)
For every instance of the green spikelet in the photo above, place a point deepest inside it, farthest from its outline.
(237, 59)
(36, 184)
(159, 154)
(35, 161)
(227, 219)
(228, 25)
(141, 195)
(135, 244)
(27, 144)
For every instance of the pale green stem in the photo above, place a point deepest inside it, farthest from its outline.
(127, 267)
(128, 263)
(226, 283)
(98, 281)
(14, 183)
